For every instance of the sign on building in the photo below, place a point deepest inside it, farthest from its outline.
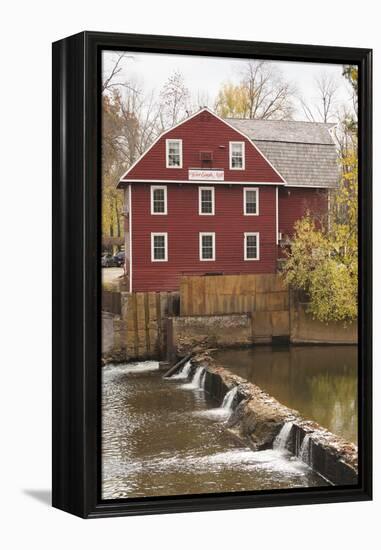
(206, 175)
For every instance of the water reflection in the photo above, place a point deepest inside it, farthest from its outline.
(319, 381)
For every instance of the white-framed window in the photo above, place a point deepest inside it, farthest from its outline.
(159, 247)
(206, 201)
(207, 247)
(159, 199)
(174, 153)
(251, 246)
(251, 201)
(237, 155)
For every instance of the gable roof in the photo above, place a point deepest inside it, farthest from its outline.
(125, 178)
(303, 152)
(303, 164)
(290, 131)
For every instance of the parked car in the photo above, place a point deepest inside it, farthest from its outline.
(107, 260)
(119, 258)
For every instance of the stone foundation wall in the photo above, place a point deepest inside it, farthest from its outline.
(306, 330)
(225, 331)
(107, 332)
(139, 330)
(250, 310)
(215, 331)
(258, 327)
(113, 338)
(267, 325)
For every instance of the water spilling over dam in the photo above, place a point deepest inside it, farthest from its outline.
(160, 437)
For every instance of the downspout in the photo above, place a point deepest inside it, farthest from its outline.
(276, 217)
(130, 234)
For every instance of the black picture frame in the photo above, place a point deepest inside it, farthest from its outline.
(76, 272)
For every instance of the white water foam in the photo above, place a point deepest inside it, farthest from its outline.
(202, 381)
(195, 383)
(226, 408)
(113, 370)
(183, 372)
(305, 448)
(280, 442)
(227, 403)
(197, 377)
(243, 459)
(268, 459)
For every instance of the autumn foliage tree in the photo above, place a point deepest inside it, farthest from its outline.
(323, 259)
(262, 93)
(112, 163)
(130, 123)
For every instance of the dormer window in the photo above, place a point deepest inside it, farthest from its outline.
(174, 153)
(237, 155)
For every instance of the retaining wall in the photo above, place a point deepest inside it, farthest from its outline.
(215, 311)
(225, 331)
(217, 331)
(304, 329)
(140, 330)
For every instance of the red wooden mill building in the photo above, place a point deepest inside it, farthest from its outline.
(219, 196)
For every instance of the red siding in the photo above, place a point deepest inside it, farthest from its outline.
(204, 132)
(183, 224)
(294, 203)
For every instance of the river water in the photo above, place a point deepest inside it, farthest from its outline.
(165, 437)
(318, 381)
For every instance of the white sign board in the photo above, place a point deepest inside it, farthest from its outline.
(206, 175)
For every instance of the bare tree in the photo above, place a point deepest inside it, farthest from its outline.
(174, 101)
(269, 96)
(344, 132)
(110, 81)
(324, 108)
(201, 99)
(262, 93)
(141, 124)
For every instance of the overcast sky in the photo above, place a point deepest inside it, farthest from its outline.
(205, 75)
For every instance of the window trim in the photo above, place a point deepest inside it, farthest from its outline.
(231, 143)
(206, 188)
(153, 189)
(205, 234)
(167, 141)
(159, 234)
(250, 234)
(245, 189)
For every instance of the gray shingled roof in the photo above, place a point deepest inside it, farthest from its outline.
(302, 152)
